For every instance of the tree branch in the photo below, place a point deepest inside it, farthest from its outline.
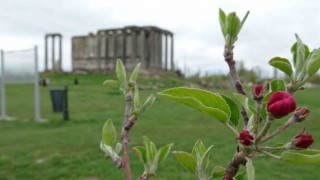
(125, 136)
(234, 165)
(228, 56)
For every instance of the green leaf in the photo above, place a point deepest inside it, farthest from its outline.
(250, 170)
(151, 149)
(112, 83)
(278, 85)
(218, 172)
(310, 157)
(142, 153)
(118, 148)
(301, 52)
(233, 27)
(109, 134)
(282, 64)
(243, 101)
(233, 24)
(222, 20)
(234, 109)
(198, 148)
(161, 155)
(204, 101)
(147, 103)
(164, 152)
(240, 176)
(245, 18)
(121, 74)
(136, 98)
(187, 160)
(294, 51)
(135, 72)
(205, 158)
(313, 63)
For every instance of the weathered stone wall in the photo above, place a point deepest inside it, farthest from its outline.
(99, 52)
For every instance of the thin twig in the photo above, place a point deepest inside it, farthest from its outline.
(264, 130)
(278, 131)
(228, 56)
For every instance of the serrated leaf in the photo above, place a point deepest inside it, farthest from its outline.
(121, 74)
(250, 170)
(218, 172)
(142, 153)
(222, 20)
(234, 109)
(135, 72)
(147, 103)
(187, 161)
(204, 101)
(109, 134)
(310, 157)
(151, 149)
(112, 83)
(313, 63)
(198, 148)
(282, 64)
(278, 85)
(205, 158)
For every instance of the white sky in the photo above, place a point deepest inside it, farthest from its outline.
(268, 31)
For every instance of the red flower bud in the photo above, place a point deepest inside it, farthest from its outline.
(301, 113)
(245, 138)
(281, 104)
(302, 141)
(257, 92)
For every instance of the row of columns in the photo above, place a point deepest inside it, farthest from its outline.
(54, 67)
(140, 36)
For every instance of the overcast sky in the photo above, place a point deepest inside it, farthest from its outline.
(268, 31)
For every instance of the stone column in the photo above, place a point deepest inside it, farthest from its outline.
(53, 53)
(166, 52)
(133, 46)
(115, 55)
(99, 52)
(160, 61)
(46, 53)
(124, 46)
(60, 52)
(172, 45)
(107, 49)
(142, 53)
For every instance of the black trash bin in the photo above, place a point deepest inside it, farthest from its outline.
(59, 99)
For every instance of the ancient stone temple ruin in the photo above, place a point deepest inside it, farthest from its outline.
(152, 46)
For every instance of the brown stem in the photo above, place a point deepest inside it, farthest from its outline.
(279, 130)
(228, 56)
(125, 136)
(234, 165)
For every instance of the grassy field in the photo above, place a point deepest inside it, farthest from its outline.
(70, 150)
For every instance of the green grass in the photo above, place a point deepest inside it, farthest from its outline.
(70, 150)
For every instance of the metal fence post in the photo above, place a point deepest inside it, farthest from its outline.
(3, 89)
